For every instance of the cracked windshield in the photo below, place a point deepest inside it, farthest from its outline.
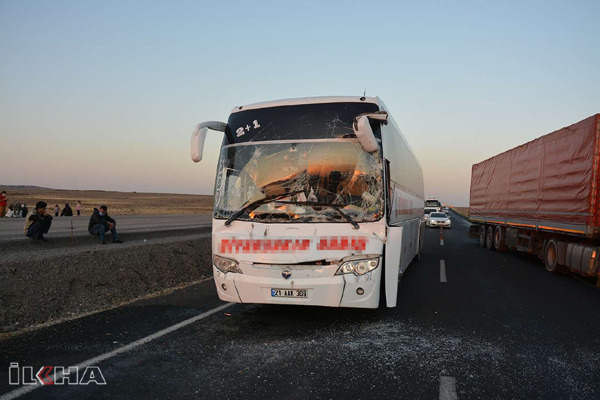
(336, 172)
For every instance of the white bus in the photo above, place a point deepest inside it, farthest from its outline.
(318, 201)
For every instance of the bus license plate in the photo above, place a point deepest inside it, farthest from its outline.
(293, 293)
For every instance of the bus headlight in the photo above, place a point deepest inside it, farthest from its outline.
(358, 267)
(226, 265)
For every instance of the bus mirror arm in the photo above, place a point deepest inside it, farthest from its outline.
(377, 116)
(199, 136)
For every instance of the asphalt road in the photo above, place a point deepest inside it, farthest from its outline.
(12, 228)
(499, 327)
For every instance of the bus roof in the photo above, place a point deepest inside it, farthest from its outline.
(307, 100)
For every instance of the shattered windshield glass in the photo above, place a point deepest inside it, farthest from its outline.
(333, 171)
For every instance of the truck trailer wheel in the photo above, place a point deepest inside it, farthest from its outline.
(481, 235)
(500, 238)
(551, 258)
(489, 238)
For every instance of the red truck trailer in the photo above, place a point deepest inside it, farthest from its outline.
(543, 197)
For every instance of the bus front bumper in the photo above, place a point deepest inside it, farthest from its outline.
(327, 291)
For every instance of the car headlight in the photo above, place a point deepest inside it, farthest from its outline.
(226, 265)
(358, 267)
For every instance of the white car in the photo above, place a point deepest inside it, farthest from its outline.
(438, 219)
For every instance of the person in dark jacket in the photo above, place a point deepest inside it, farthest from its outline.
(101, 222)
(24, 210)
(38, 222)
(67, 211)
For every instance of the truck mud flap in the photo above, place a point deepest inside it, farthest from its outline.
(474, 231)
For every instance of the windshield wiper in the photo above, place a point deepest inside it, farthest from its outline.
(255, 204)
(317, 204)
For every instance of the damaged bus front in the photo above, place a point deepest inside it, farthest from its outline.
(304, 205)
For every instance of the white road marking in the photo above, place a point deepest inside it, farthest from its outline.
(443, 271)
(102, 357)
(447, 388)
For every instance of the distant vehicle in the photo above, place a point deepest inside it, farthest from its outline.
(543, 198)
(433, 202)
(428, 211)
(317, 202)
(445, 210)
(438, 220)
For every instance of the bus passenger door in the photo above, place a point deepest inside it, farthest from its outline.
(389, 195)
(393, 252)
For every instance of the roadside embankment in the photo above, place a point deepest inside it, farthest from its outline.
(59, 281)
(462, 212)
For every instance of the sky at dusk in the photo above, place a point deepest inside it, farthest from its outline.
(105, 95)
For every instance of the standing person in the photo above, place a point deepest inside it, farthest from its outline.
(67, 211)
(3, 202)
(38, 222)
(78, 208)
(56, 210)
(101, 222)
(24, 210)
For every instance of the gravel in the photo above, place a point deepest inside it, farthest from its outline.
(56, 281)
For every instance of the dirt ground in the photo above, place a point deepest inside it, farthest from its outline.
(119, 203)
(462, 210)
(91, 277)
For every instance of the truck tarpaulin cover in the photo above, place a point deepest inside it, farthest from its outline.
(552, 178)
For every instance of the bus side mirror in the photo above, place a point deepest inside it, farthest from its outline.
(197, 146)
(364, 133)
(199, 136)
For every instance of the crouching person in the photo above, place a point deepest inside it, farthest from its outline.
(101, 222)
(38, 222)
